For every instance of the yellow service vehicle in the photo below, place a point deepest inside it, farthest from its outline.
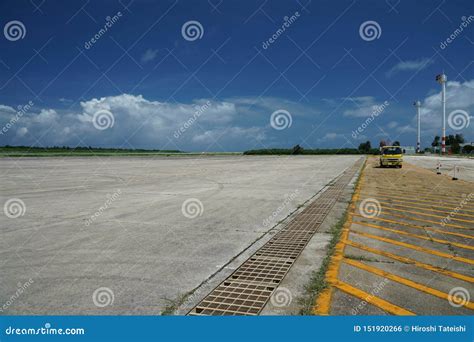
(391, 156)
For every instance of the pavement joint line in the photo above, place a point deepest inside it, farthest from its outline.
(429, 221)
(415, 200)
(428, 209)
(372, 299)
(423, 214)
(406, 282)
(322, 303)
(410, 261)
(428, 238)
(415, 247)
(419, 227)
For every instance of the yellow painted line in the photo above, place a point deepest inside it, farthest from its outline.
(423, 220)
(447, 185)
(422, 237)
(410, 200)
(374, 300)
(441, 201)
(405, 281)
(415, 247)
(425, 196)
(413, 188)
(322, 304)
(421, 186)
(411, 261)
(428, 209)
(440, 231)
(424, 214)
(424, 192)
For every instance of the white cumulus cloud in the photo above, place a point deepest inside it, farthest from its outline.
(410, 65)
(362, 106)
(142, 123)
(459, 96)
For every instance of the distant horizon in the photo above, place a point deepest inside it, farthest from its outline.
(374, 146)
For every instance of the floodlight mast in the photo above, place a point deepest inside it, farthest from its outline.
(442, 78)
(417, 104)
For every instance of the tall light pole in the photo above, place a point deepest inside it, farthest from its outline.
(417, 104)
(442, 78)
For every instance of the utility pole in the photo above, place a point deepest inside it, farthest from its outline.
(441, 79)
(417, 104)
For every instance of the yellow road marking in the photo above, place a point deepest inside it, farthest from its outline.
(445, 242)
(428, 209)
(415, 247)
(424, 214)
(411, 261)
(427, 193)
(429, 221)
(405, 281)
(417, 227)
(425, 196)
(417, 185)
(415, 189)
(322, 304)
(410, 200)
(370, 298)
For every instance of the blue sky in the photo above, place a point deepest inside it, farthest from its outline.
(145, 82)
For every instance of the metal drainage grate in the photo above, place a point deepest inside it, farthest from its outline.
(247, 289)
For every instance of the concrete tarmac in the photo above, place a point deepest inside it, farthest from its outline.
(132, 235)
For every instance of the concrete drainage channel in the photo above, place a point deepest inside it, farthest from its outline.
(250, 286)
